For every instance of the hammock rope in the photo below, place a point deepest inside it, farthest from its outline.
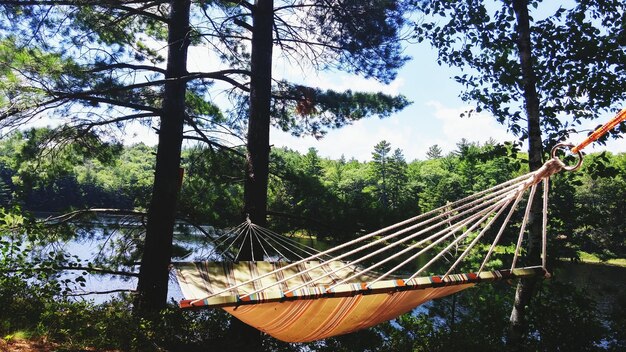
(338, 290)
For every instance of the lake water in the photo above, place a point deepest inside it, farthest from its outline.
(604, 283)
(94, 242)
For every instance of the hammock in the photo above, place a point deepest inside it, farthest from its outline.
(343, 289)
(313, 313)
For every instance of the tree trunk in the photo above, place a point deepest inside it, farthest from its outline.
(244, 337)
(257, 162)
(157, 252)
(526, 287)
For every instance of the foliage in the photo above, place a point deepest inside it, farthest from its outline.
(27, 266)
(305, 110)
(557, 305)
(45, 176)
(317, 195)
(212, 187)
(587, 207)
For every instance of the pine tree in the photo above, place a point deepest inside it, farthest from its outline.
(380, 161)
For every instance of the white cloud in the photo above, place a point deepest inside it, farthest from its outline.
(201, 59)
(137, 133)
(480, 127)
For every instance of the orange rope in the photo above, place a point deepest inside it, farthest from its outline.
(621, 116)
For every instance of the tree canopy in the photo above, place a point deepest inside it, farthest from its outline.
(578, 51)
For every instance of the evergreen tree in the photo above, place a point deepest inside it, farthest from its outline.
(434, 152)
(93, 64)
(397, 178)
(380, 161)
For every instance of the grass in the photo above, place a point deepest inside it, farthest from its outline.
(594, 259)
(18, 335)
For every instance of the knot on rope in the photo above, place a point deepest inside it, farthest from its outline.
(548, 169)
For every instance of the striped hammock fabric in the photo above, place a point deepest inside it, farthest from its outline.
(313, 312)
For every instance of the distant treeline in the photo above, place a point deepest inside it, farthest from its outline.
(330, 198)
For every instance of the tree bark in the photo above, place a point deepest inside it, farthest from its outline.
(244, 337)
(258, 147)
(526, 287)
(157, 251)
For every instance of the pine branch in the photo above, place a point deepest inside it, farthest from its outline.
(100, 68)
(204, 138)
(74, 268)
(121, 5)
(101, 292)
(63, 218)
(90, 125)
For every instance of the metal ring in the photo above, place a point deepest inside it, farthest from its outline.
(569, 147)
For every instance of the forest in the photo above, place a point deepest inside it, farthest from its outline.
(308, 196)
(92, 70)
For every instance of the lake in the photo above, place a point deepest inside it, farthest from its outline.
(604, 283)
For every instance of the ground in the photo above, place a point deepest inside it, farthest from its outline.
(19, 345)
(30, 345)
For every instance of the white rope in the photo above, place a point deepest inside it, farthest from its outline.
(260, 239)
(465, 234)
(544, 230)
(497, 193)
(477, 238)
(240, 232)
(284, 242)
(445, 232)
(497, 239)
(243, 242)
(370, 254)
(497, 196)
(269, 243)
(518, 246)
(226, 236)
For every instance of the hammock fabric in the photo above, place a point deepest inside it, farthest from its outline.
(312, 313)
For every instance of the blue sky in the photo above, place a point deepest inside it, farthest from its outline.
(433, 118)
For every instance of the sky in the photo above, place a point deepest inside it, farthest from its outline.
(432, 118)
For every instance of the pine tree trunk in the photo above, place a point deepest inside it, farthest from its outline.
(154, 271)
(244, 337)
(257, 162)
(526, 287)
